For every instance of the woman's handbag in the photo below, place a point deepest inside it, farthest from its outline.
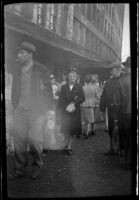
(70, 108)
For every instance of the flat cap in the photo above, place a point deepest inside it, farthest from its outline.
(72, 69)
(115, 65)
(127, 63)
(27, 46)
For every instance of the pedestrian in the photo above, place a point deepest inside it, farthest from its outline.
(98, 116)
(88, 106)
(106, 101)
(63, 82)
(71, 96)
(30, 105)
(122, 99)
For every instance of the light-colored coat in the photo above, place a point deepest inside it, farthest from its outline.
(91, 95)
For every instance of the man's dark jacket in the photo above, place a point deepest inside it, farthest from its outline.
(71, 122)
(40, 99)
(107, 96)
(122, 96)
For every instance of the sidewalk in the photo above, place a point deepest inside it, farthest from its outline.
(88, 172)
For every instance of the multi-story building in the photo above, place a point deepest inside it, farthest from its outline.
(88, 36)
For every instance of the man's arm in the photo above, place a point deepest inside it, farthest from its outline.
(103, 100)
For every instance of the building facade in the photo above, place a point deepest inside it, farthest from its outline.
(88, 36)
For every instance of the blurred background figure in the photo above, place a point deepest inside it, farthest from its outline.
(63, 82)
(88, 106)
(54, 86)
(95, 82)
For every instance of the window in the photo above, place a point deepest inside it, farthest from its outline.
(107, 7)
(75, 29)
(105, 21)
(111, 33)
(55, 16)
(108, 31)
(27, 10)
(88, 37)
(37, 14)
(105, 52)
(109, 10)
(83, 35)
(70, 22)
(83, 9)
(79, 6)
(89, 12)
(96, 49)
(100, 50)
(94, 13)
(78, 33)
(17, 8)
(92, 42)
(64, 17)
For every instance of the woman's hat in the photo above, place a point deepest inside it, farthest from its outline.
(72, 70)
(127, 63)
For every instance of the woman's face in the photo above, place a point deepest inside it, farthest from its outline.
(72, 77)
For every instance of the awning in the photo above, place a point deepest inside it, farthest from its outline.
(21, 25)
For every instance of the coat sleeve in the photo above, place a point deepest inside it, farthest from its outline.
(80, 98)
(103, 101)
(117, 98)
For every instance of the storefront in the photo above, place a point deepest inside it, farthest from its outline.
(53, 51)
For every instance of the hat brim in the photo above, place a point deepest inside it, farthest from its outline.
(126, 64)
(27, 49)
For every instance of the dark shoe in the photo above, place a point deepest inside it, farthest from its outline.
(111, 152)
(45, 151)
(16, 175)
(35, 173)
(86, 136)
(92, 132)
(68, 151)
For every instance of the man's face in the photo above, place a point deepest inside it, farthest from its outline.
(24, 56)
(72, 77)
(116, 72)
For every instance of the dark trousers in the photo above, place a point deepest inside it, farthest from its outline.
(125, 134)
(26, 131)
(111, 117)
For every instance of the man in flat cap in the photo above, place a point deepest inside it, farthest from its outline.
(30, 106)
(71, 96)
(122, 98)
(106, 101)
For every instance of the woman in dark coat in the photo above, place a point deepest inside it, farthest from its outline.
(71, 94)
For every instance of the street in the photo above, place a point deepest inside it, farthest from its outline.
(87, 172)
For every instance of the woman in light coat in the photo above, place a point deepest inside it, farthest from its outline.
(88, 106)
